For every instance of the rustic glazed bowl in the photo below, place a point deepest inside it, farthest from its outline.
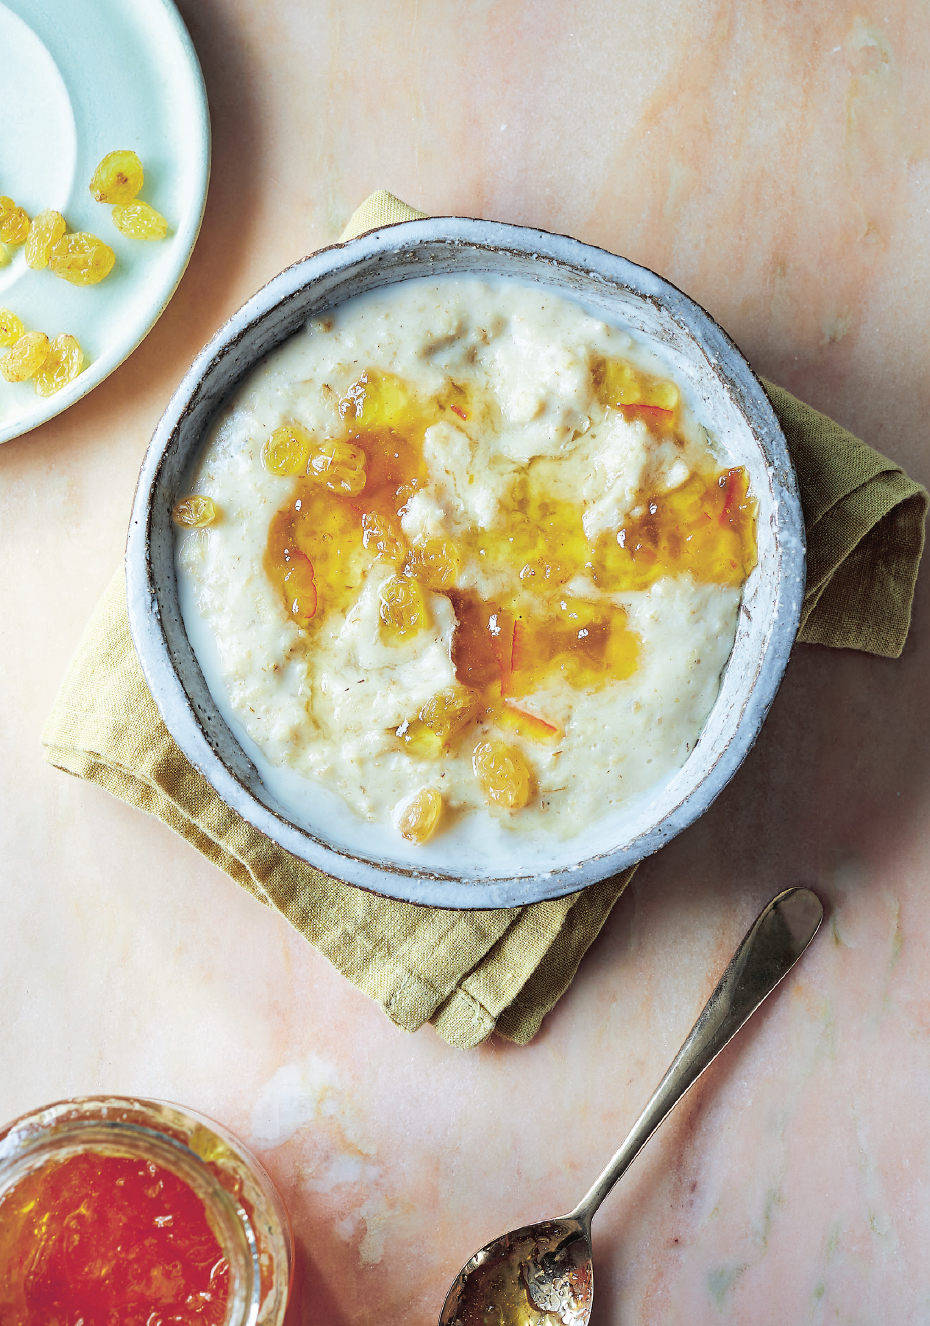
(725, 395)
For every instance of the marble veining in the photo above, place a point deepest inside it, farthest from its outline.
(774, 162)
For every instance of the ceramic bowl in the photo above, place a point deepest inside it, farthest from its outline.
(727, 397)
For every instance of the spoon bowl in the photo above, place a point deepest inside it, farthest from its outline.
(543, 1274)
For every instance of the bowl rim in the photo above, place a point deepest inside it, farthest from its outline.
(185, 719)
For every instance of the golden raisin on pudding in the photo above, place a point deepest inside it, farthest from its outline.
(503, 774)
(138, 220)
(14, 222)
(440, 722)
(27, 355)
(417, 821)
(435, 563)
(11, 327)
(340, 466)
(288, 449)
(382, 536)
(46, 230)
(62, 364)
(402, 606)
(118, 178)
(81, 258)
(449, 711)
(195, 511)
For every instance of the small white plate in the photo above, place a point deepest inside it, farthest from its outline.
(79, 81)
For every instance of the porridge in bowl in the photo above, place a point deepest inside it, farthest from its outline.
(462, 553)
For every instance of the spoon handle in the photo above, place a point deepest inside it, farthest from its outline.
(772, 946)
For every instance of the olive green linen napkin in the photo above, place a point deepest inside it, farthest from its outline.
(471, 973)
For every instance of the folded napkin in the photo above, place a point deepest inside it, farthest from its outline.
(471, 973)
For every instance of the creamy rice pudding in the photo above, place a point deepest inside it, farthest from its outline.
(464, 551)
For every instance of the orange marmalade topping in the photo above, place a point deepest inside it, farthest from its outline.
(344, 512)
(99, 1240)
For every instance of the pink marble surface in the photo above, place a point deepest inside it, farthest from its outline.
(772, 160)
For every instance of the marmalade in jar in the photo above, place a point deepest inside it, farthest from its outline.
(119, 1211)
(96, 1239)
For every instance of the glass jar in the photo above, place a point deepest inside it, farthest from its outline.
(243, 1209)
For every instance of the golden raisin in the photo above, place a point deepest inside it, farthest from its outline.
(340, 465)
(14, 223)
(139, 221)
(441, 720)
(118, 178)
(11, 328)
(435, 563)
(382, 536)
(449, 711)
(195, 511)
(4, 255)
(417, 819)
(502, 773)
(28, 354)
(81, 258)
(62, 365)
(46, 230)
(403, 606)
(287, 451)
(420, 740)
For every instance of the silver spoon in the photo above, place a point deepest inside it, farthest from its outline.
(542, 1275)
